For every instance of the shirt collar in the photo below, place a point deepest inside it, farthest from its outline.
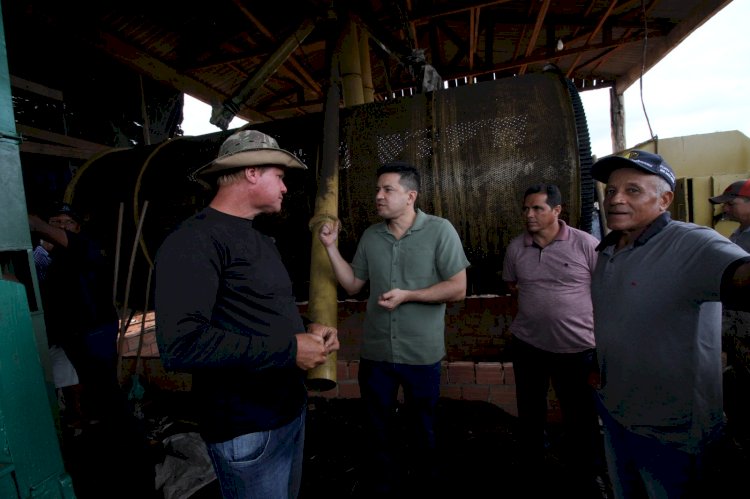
(562, 235)
(419, 222)
(654, 228)
(214, 213)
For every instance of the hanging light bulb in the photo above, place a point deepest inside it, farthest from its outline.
(560, 44)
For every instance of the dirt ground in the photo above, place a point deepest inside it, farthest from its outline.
(478, 453)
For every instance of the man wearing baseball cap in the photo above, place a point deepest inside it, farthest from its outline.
(657, 291)
(82, 324)
(80, 319)
(735, 201)
(225, 312)
(736, 206)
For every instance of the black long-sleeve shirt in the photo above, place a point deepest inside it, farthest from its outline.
(226, 313)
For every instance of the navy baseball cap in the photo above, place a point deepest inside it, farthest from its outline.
(65, 209)
(640, 160)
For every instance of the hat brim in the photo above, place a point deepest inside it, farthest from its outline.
(724, 198)
(602, 169)
(253, 157)
(605, 166)
(66, 210)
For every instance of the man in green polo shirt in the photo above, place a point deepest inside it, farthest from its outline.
(415, 264)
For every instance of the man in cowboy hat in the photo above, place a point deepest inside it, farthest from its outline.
(226, 313)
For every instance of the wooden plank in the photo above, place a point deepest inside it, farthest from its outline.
(60, 151)
(36, 88)
(58, 138)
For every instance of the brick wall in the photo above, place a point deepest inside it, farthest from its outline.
(476, 329)
(476, 366)
(462, 380)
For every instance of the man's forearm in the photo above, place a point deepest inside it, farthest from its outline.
(343, 271)
(453, 289)
(47, 232)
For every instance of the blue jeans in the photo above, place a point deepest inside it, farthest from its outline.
(641, 466)
(534, 369)
(263, 464)
(379, 383)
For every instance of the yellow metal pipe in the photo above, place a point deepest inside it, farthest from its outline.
(323, 304)
(351, 69)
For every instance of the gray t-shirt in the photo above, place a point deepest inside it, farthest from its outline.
(737, 322)
(657, 320)
(741, 238)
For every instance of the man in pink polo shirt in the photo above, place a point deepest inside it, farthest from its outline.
(548, 270)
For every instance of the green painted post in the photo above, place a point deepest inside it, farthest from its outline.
(15, 238)
(31, 464)
(14, 228)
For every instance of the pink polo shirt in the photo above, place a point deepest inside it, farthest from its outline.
(554, 290)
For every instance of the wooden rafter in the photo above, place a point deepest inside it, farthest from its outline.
(209, 56)
(591, 36)
(474, 34)
(612, 53)
(505, 66)
(309, 80)
(462, 46)
(425, 17)
(412, 24)
(572, 39)
(535, 33)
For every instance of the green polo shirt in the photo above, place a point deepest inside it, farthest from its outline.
(429, 252)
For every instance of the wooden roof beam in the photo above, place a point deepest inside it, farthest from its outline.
(591, 36)
(535, 33)
(161, 72)
(462, 47)
(223, 113)
(426, 17)
(473, 34)
(293, 61)
(544, 56)
(412, 24)
(625, 10)
(59, 139)
(662, 46)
